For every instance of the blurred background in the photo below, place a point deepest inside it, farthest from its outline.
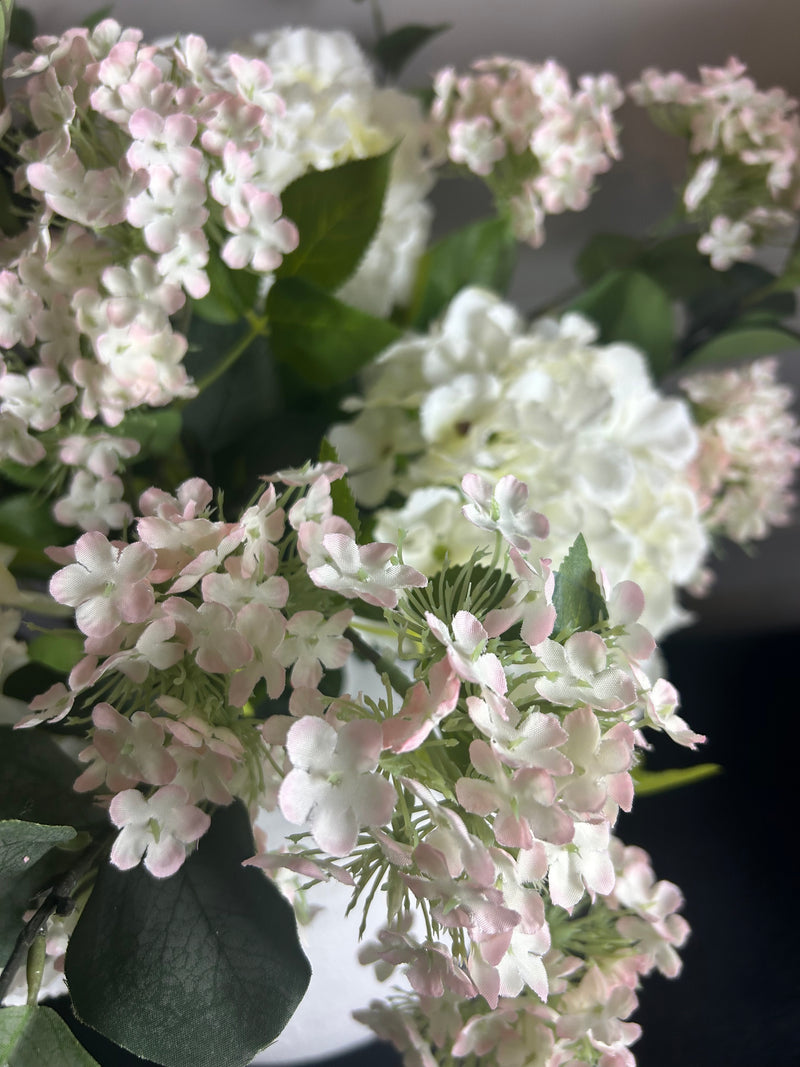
(728, 841)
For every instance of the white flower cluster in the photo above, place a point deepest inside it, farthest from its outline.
(603, 452)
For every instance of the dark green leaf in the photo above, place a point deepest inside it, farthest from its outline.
(59, 649)
(577, 597)
(25, 522)
(23, 28)
(395, 49)
(677, 266)
(648, 782)
(717, 304)
(746, 343)
(35, 1036)
(36, 782)
(97, 16)
(336, 212)
(233, 293)
(23, 843)
(606, 252)
(483, 253)
(211, 952)
(789, 278)
(344, 503)
(629, 306)
(324, 340)
(6, 11)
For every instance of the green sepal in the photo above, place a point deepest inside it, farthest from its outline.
(337, 212)
(321, 338)
(24, 843)
(650, 782)
(212, 951)
(35, 1036)
(483, 254)
(577, 597)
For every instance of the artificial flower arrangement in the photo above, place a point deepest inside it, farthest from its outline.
(216, 265)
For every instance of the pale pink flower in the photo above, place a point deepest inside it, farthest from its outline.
(36, 397)
(210, 633)
(93, 503)
(125, 752)
(466, 650)
(313, 643)
(727, 242)
(364, 571)
(424, 707)
(583, 864)
(263, 628)
(107, 584)
(157, 828)
(333, 785)
(601, 763)
(504, 508)
(18, 307)
(582, 674)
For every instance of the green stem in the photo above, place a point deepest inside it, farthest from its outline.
(258, 328)
(399, 682)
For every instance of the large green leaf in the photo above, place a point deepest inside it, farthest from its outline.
(577, 597)
(650, 782)
(606, 252)
(232, 293)
(336, 212)
(629, 306)
(35, 1036)
(202, 968)
(25, 522)
(483, 253)
(324, 340)
(744, 343)
(23, 843)
(59, 649)
(676, 264)
(395, 49)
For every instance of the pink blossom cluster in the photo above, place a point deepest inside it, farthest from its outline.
(538, 144)
(744, 152)
(132, 160)
(182, 625)
(748, 454)
(482, 800)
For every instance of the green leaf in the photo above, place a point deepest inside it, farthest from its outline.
(59, 649)
(336, 212)
(789, 278)
(6, 12)
(97, 16)
(35, 1036)
(344, 503)
(744, 343)
(211, 951)
(36, 782)
(25, 523)
(629, 306)
(323, 339)
(233, 292)
(577, 598)
(606, 252)
(22, 29)
(395, 49)
(23, 843)
(676, 264)
(156, 430)
(648, 782)
(483, 253)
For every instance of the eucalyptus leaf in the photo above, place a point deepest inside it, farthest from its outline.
(211, 951)
(24, 843)
(35, 1036)
(395, 49)
(744, 343)
(629, 306)
(59, 649)
(483, 253)
(607, 252)
(321, 338)
(577, 597)
(336, 212)
(650, 782)
(344, 503)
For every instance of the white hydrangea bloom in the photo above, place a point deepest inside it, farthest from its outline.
(334, 113)
(604, 453)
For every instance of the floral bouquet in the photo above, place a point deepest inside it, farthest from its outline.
(255, 427)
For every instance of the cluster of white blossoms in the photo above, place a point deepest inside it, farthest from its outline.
(537, 143)
(744, 151)
(137, 165)
(748, 449)
(582, 424)
(480, 795)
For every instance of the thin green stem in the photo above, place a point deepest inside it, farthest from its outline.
(258, 327)
(399, 682)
